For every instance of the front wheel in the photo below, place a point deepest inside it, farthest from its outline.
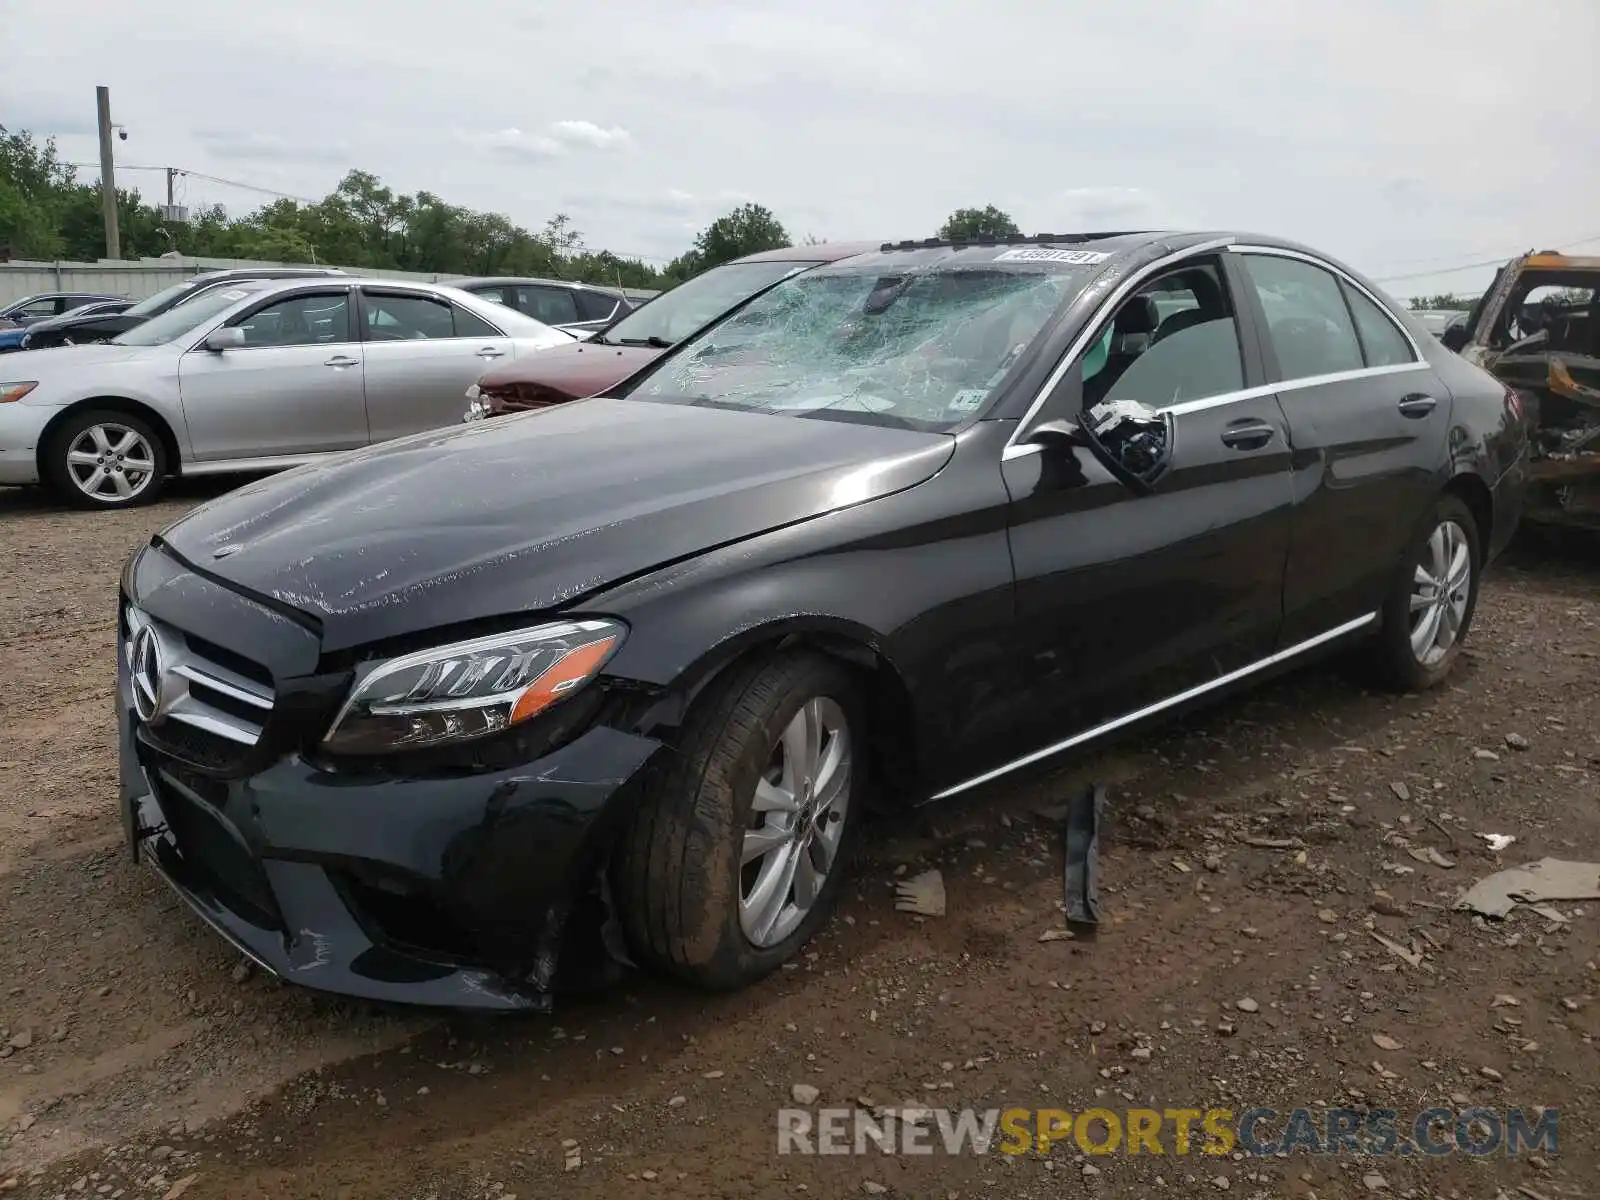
(736, 856)
(105, 460)
(1432, 600)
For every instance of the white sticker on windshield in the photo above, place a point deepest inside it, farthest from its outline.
(967, 399)
(235, 295)
(1078, 258)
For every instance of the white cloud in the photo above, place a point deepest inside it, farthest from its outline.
(587, 133)
(513, 143)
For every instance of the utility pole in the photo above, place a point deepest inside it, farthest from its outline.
(172, 173)
(108, 173)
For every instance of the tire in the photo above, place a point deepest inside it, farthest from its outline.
(690, 906)
(1449, 529)
(119, 454)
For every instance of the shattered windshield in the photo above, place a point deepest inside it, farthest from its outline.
(886, 342)
(674, 315)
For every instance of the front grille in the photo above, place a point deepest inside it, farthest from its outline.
(201, 702)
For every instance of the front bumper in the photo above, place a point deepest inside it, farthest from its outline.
(20, 426)
(443, 890)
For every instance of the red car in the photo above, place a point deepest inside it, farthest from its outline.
(588, 368)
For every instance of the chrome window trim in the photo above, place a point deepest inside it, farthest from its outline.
(1150, 710)
(1016, 447)
(1280, 252)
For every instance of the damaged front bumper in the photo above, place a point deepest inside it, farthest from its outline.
(470, 891)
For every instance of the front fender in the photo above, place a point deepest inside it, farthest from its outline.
(916, 585)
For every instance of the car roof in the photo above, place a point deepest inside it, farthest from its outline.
(472, 281)
(267, 273)
(1112, 244)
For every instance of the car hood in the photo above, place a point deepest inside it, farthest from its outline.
(532, 512)
(568, 372)
(74, 358)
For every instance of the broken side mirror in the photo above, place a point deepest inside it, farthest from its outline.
(1058, 433)
(1132, 439)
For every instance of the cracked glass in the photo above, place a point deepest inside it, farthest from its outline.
(890, 341)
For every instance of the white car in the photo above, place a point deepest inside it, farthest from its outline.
(261, 375)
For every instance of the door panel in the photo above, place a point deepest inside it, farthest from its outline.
(1124, 600)
(417, 369)
(1367, 440)
(1364, 475)
(295, 387)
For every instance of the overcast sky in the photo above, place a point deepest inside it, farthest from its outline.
(1402, 135)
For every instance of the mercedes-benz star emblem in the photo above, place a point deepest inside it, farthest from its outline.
(148, 672)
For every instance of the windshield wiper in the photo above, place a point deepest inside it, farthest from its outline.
(659, 343)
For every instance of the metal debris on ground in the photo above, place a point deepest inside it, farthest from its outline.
(1081, 838)
(1412, 957)
(1548, 879)
(921, 894)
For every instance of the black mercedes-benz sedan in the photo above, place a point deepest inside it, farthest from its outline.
(431, 721)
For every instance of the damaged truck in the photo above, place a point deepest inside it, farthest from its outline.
(1537, 328)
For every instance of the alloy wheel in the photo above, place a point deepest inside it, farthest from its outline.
(111, 463)
(1440, 590)
(797, 818)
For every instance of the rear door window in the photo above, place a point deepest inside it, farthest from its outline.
(1309, 327)
(552, 305)
(1381, 339)
(391, 317)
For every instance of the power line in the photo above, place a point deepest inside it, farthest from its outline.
(249, 187)
(1475, 266)
(1406, 262)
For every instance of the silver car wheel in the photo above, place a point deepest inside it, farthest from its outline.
(1440, 589)
(797, 818)
(111, 463)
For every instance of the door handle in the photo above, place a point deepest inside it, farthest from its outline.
(342, 360)
(1417, 404)
(491, 352)
(1247, 433)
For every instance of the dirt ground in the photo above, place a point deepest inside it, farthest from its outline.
(1236, 964)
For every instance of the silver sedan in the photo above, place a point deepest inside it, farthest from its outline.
(261, 375)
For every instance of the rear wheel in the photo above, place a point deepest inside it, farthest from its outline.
(104, 459)
(736, 855)
(1432, 600)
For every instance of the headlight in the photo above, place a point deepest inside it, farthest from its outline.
(16, 391)
(470, 689)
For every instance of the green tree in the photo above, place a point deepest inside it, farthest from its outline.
(33, 182)
(1444, 302)
(748, 229)
(970, 224)
(46, 213)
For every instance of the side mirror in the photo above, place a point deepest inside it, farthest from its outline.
(230, 337)
(1454, 338)
(1058, 433)
(1132, 439)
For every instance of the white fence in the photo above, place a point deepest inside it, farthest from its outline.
(143, 277)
